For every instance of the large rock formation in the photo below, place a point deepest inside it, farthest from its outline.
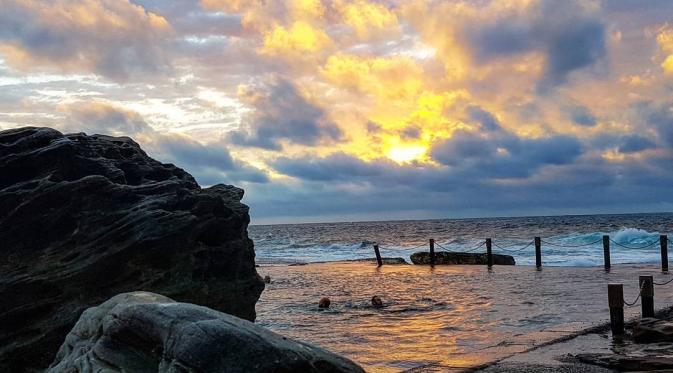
(83, 218)
(443, 257)
(145, 332)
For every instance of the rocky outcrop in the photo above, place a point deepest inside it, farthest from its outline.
(83, 218)
(145, 332)
(650, 330)
(443, 257)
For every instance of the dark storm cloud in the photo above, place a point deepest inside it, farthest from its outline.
(570, 39)
(282, 113)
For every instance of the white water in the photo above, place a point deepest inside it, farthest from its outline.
(567, 241)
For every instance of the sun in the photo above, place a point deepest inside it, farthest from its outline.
(405, 153)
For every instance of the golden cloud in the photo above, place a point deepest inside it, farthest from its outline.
(294, 41)
(367, 19)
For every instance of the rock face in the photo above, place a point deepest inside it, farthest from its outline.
(443, 257)
(83, 218)
(146, 332)
(650, 330)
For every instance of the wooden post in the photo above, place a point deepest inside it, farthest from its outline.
(538, 253)
(606, 252)
(432, 252)
(646, 286)
(489, 253)
(378, 255)
(663, 241)
(616, 303)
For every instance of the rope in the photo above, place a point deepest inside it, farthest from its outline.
(476, 247)
(640, 292)
(572, 246)
(663, 283)
(515, 250)
(444, 248)
(418, 246)
(634, 247)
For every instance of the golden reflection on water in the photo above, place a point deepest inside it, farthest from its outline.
(452, 316)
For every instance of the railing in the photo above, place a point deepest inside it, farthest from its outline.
(538, 242)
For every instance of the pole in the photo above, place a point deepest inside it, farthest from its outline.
(663, 241)
(432, 252)
(489, 253)
(646, 286)
(606, 252)
(538, 253)
(378, 255)
(616, 303)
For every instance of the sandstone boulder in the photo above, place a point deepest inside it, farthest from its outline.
(83, 218)
(146, 332)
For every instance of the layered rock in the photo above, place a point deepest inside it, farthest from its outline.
(83, 218)
(145, 332)
(443, 257)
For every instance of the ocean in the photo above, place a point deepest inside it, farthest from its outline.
(567, 240)
(449, 318)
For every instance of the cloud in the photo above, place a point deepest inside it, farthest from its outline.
(570, 37)
(113, 38)
(487, 121)
(280, 114)
(294, 41)
(659, 117)
(340, 166)
(665, 42)
(635, 143)
(208, 163)
(504, 155)
(364, 108)
(102, 118)
(581, 115)
(368, 19)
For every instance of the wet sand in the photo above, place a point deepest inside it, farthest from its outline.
(449, 318)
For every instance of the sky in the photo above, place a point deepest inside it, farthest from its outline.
(345, 110)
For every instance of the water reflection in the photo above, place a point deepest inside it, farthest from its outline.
(456, 316)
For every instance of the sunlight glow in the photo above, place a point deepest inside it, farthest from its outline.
(405, 153)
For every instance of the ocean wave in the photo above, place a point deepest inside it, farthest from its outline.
(631, 245)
